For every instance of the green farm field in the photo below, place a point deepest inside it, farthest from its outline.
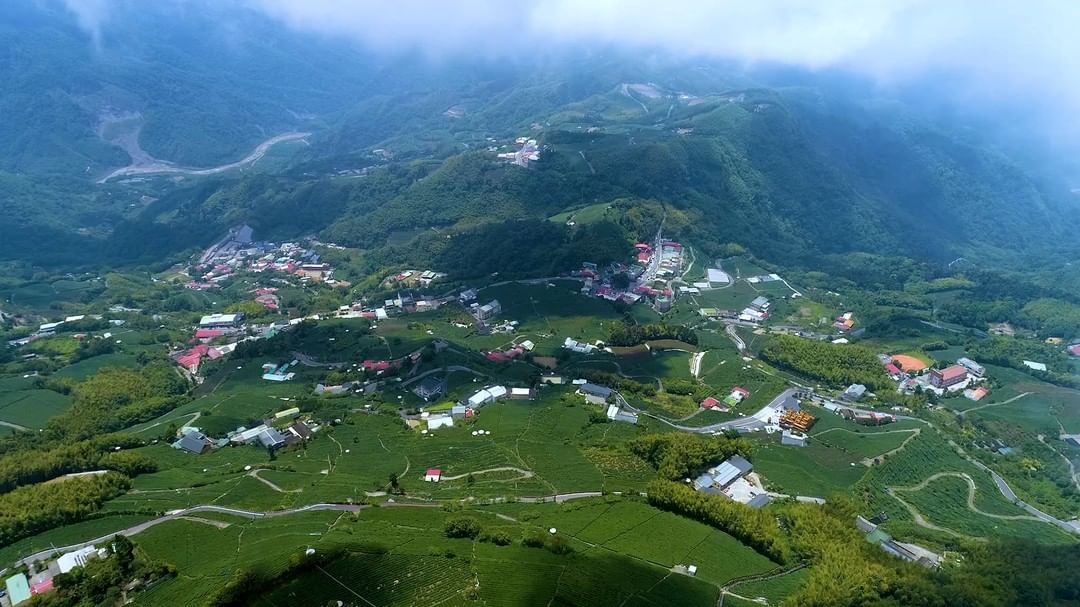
(622, 554)
(32, 408)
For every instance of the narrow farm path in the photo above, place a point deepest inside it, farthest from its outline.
(1072, 467)
(762, 577)
(205, 521)
(988, 405)
(922, 522)
(524, 473)
(255, 475)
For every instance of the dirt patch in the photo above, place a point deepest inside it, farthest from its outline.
(909, 363)
(547, 362)
(670, 344)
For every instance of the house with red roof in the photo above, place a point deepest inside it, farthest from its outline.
(376, 365)
(433, 475)
(207, 334)
(191, 359)
(949, 376)
(710, 403)
(893, 371)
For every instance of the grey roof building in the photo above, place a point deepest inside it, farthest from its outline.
(759, 501)
(596, 390)
(854, 392)
(271, 438)
(194, 442)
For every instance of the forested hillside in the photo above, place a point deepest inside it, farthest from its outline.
(401, 146)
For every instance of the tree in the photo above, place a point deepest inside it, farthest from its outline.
(462, 527)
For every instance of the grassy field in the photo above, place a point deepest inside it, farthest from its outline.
(534, 448)
(69, 534)
(944, 502)
(85, 368)
(815, 470)
(32, 408)
(622, 554)
(774, 590)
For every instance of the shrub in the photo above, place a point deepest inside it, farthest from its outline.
(462, 527)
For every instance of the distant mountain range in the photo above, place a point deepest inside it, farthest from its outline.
(400, 145)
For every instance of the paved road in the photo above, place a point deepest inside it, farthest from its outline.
(742, 424)
(1002, 485)
(440, 370)
(175, 514)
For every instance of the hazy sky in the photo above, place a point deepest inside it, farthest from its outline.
(1009, 50)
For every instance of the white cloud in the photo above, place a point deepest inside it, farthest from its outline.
(993, 47)
(91, 15)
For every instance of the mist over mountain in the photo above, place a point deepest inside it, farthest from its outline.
(790, 155)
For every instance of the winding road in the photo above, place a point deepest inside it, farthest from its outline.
(163, 166)
(185, 514)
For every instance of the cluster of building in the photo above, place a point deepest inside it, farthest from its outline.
(211, 327)
(485, 312)
(845, 322)
(730, 480)
(908, 552)
(238, 252)
(601, 395)
(757, 311)
(49, 329)
(413, 278)
(282, 429)
(276, 372)
(513, 353)
(403, 303)
(965, 375)
(736, 396)
(648, 276)
(20, 589)
(267, 296)
(578, 346)
(528, 152)
(467, 408)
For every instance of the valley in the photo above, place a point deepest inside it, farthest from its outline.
(291, 313)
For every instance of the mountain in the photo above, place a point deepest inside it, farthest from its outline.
(399, 148)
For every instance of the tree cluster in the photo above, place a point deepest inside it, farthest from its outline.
(623, 334)
(834, 364)
(32, 509)
(678, 455)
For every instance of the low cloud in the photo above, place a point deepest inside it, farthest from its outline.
(1013, 54)
(91, 15)
(999, 49)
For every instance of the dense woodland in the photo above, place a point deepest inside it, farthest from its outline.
(623, 334)
(834, 364)
(35, 508)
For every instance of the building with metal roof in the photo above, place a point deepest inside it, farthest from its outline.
(733, 468)
(18, 589)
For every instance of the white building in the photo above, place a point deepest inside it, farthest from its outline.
(440, 421)
(221, 321)
(77, 558)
